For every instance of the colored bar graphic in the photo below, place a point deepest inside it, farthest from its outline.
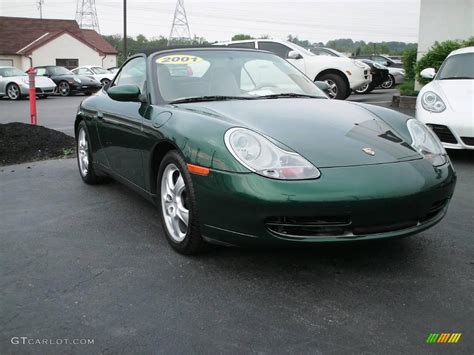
(443, 338)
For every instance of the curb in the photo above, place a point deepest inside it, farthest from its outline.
(404, 101)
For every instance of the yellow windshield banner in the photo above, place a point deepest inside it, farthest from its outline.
(179, 59)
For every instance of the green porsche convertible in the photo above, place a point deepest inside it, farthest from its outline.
(238, 147)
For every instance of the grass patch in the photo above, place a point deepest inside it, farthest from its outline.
(408, 88)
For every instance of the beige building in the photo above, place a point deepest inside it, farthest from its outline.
(26, 42)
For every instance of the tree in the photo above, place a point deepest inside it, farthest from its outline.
(241, 37)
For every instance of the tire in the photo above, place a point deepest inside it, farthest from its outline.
(13, 92)
(390, 83)
(84, 157)
(44, 96)
(105, 82)
(64, 89)
(339, 90)
(88, 93)
(176, 200)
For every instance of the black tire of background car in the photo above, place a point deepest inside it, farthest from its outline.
(343, 91)
(88, 93)
(92, 178)
(392, 82)
(67, 91)
(12, 85)
(43, 96)
(193, 243)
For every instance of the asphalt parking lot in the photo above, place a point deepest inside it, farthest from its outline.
(91, 262)
(59, 112)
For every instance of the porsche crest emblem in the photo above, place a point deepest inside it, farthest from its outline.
(369, 151)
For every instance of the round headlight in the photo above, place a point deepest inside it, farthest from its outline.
(258, 154)
(432, 102)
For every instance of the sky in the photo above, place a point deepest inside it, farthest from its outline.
(315, 20)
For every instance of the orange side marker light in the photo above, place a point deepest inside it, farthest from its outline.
(198, 170)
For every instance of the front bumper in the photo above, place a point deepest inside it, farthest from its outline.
(455, 130)
(399, 78)
(43, 90)
(85, 87)
(359, 77)
(345, 204)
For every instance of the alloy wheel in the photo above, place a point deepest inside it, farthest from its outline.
(332, 91)
(63, 88)
(13, 92)
(388, 84)
(83, 152)
(362, 89)
(174, 203)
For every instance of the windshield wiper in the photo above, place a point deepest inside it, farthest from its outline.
(209, 98)
(457, 77)
(287, 94)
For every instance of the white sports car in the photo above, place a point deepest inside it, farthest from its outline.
(100, 74)
(447, 103)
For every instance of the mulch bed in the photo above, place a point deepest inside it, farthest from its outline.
(21, 143)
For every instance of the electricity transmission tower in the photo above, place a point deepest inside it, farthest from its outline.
(180, 27)
(86, 15)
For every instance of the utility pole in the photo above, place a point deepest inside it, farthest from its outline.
(40, 7)
(86, 15)
(125, 44)
(180, 27)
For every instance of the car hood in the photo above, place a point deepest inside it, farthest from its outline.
(84, 79)
(328, 133)
(457, 93)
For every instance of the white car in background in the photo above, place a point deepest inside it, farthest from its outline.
(343, 75)
(98, 73)
(15, 84)
(446, 104)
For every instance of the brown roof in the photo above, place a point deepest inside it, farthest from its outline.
(20, 35)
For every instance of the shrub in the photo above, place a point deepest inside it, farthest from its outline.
(437, 54)
(409, 63)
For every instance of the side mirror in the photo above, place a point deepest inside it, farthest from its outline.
(294, 55)
(428, 73)
(322, 85)
(124, 93)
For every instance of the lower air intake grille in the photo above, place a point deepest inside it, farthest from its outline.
(468, 140)
(444, 133)
(308, 226)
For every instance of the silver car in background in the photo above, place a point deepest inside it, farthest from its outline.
(14, 84)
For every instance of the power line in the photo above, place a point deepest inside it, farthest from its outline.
(86, 15)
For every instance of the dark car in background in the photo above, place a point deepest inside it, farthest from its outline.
(67, 82)
(381, 59)
(380, 74)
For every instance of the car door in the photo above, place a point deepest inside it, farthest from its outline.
(120, 125)
(282, 51)
(3, 81)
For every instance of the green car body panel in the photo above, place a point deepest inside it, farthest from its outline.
(394, 193)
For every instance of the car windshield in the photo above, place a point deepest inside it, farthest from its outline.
(59, 71)
(99, 70)
(229, 74)
(459, 66)
(7, 72)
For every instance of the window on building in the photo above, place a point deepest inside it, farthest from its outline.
(68, 63)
